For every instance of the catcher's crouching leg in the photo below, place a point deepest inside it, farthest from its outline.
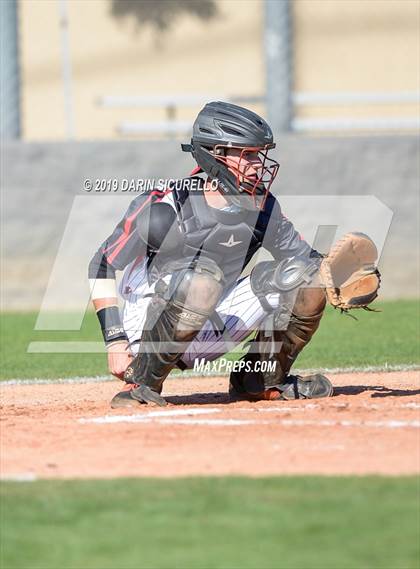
(175, 315)
(282, 346)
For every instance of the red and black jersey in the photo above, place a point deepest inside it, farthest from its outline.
(124, 244)
(229, 238)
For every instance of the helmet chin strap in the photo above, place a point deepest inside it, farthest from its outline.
(241, 202)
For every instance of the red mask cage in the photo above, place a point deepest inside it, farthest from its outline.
(254, 171)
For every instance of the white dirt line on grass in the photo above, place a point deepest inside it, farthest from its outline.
(19, 477)
(60, 380)
(190, 374)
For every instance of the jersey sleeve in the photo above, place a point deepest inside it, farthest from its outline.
(282, 239)
(124, 244)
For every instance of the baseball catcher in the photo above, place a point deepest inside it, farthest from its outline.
(184, 249)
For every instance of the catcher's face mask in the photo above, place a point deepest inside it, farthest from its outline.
(253, 170)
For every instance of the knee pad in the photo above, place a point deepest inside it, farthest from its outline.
(285, 277)
(193, 290)
(176, 314)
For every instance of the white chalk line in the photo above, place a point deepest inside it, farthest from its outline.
(191, 374)
(142, 417)
(282, 422)
(184, 417)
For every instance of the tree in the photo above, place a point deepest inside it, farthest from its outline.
(162, 14)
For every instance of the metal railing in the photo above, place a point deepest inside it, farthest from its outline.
(172, 126)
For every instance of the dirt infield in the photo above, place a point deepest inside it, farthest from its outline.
(65, 430)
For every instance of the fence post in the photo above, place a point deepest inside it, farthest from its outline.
(278, 57)
(10, 126)
(66, 70)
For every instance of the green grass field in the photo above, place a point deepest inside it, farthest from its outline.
(388, 337)
(279, 522)
(206, 523)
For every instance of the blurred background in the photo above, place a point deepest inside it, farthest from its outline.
(107, 69)
(108, 88)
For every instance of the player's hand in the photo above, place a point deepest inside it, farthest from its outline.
(119, 357)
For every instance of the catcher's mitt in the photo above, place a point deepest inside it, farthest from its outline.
(349, 272)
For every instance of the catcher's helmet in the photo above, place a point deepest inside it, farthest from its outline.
(220, 126)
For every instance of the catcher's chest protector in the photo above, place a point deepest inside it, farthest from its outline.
(230, 239)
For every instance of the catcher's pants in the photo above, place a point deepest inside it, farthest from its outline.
(240, 312)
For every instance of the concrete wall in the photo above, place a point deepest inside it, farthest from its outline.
(41, 180)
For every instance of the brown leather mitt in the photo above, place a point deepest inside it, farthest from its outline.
(349, 272)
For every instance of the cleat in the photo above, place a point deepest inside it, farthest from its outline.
(124, 399)
(144, 394)
(236, 390)
(315, 386)
(134, 395)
